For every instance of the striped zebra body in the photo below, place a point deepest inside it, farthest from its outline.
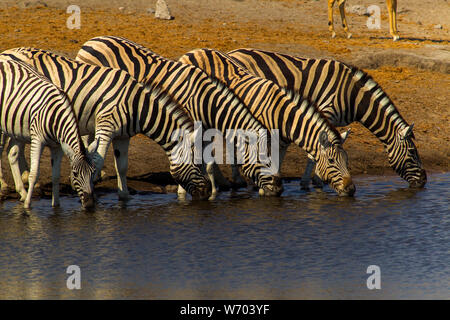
(205, 99)
(33, 110)
(297, 119)
(344, 94)
(114, 106)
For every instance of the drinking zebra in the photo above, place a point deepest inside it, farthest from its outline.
(344, 94)
(33, 110)
(210, 101)
(297, 119)
(114, 106)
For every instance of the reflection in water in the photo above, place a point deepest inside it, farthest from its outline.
(302, 245)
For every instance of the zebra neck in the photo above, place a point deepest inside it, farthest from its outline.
(375, 110)
(303, 125)
(173, 77)
(70, 151)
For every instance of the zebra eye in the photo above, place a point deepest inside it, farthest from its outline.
(331, 161)
(75, 174)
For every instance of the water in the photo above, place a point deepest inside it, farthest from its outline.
(304, 245)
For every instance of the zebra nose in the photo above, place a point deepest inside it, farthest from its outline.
(276, 181)
(419, 183)
(87, 200)
(347, 182)
(348, 188)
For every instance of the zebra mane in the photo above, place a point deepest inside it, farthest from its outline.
(361, 77)
(298, 100)
(162, 96)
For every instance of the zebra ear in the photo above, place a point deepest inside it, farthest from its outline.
(406, 132)
(94, 146)
(345, 135)
(323, 139)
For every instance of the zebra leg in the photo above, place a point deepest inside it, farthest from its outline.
(304, 182)
(181, 193)
(23, 165)
(99, 154)
(13, 157)
(3, 184)
(343, 19)
(120, 147)
(36, 152)
(210, 173)
(223, 182)
(238, 180)
(56, 154)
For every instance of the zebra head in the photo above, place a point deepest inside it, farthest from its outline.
(81, 178)
(331, 166)
(185, 172)
(404, 158)
(263, 173)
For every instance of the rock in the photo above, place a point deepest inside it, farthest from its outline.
(121, 9)
(162, 10)
(438, 26)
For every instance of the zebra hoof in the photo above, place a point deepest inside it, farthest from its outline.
(333, 34)
(304, 184)
(396, 37)
(349, 35)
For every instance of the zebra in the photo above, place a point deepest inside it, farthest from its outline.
(297, 119)
(210, 101)
(114, 106)
(344, 94)
(33, 110)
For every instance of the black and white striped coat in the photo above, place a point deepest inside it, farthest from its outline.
(33, 110)
(114, 106)
(297, 119)
(206, 100)
(344, 94)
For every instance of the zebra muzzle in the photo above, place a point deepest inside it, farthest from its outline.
(87, 200)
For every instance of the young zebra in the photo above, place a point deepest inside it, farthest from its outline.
(35, 111)
(210, 102)
(297, 119)
(114, 106)
(344, 94)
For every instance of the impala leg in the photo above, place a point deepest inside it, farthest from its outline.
(392, 9)
(343, 18)
(57, 155)
(120, 147)
(330, 18)
(36, 152)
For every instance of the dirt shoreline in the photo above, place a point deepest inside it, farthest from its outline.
(415, 71)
